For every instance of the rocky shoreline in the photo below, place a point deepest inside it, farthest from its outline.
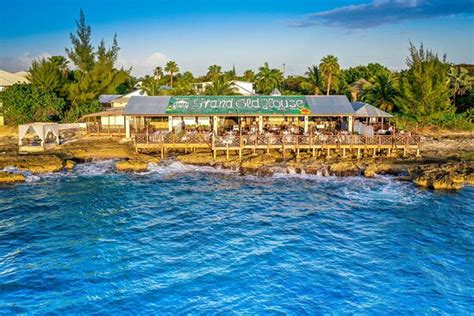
(447, 165)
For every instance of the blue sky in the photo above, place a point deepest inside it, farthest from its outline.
(246, 33)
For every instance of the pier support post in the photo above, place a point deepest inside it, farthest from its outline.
(344, 152)
(418, 152)
(358, 153)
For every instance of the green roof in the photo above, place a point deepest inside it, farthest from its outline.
(253, 105)
(334, 105)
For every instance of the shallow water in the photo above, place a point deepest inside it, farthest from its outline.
(182, 239)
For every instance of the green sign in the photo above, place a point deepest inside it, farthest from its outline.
(228, 105)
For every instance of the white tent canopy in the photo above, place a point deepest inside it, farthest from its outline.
(42, 130)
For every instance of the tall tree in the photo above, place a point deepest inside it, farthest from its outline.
(249, 75)
(314, 78)
(231, 74)
(183, 85)
(424, 94)
(49, 74)
(150, 86)
(96, 73)
(220, 86)
(82, 52)
(213, 71)
(330, 68)
(158, 72)
(268, 79)
(171, 68)
(381, 91)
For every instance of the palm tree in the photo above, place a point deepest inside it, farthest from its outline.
(381, 91)
(213, 71)
(458, 80)
(220, 86)
(249, 75)
(158, 72)
(188, 76)
(268, 79)
(329, 66)
(171, 68)
(231, 74)
(150, 86)
(315, 78)
(183, 84)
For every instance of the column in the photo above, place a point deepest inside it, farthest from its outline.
(215, 121)
(350, 123)
(306, 124)
(260, 124)
(170, 123)
(127, 127)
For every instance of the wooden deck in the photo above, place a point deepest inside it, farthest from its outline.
(316, 145)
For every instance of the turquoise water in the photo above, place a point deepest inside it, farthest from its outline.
(180, 240)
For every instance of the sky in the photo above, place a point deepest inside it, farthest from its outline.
(289, 35)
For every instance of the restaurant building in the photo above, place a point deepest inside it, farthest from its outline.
(313, 124)
(249, 113)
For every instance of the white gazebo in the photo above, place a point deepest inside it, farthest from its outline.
(42, 130)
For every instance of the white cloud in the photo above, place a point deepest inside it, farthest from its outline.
(379, 12)
(143, 66)
(21, 62)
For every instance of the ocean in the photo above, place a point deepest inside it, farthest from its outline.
(195, 240)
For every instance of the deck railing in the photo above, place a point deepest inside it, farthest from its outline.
(171, 138)
(277, 140)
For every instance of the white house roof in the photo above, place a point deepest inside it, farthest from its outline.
(8, 79)
(107, 98)
(21, 73)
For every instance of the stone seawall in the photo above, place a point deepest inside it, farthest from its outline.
(444, 168)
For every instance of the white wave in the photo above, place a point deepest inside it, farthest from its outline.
(175, 167)
(29, 177)
(94, 168)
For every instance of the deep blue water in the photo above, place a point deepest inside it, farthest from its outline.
(176, 241)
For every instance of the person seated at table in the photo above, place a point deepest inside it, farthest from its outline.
(391, 130)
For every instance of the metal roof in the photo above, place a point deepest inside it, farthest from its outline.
(107, 98)
(363, 109)
(109, 112)
(143, 105)
(330, 105)
(319, 105)
(9, 79)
